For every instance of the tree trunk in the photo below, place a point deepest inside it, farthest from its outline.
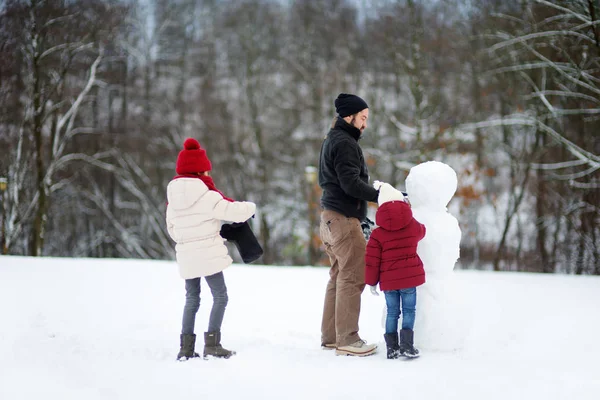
(37, 234)
(580, 261)
(516, 198)
(540, 209)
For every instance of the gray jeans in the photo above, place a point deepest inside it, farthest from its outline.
(216, 283)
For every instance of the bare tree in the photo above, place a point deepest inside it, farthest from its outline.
(55, 43)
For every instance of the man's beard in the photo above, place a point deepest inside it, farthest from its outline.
(362, 127)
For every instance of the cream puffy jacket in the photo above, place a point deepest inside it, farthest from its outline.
(194, 217)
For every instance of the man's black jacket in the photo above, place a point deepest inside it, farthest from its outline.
(343, 173)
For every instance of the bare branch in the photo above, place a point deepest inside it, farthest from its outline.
(581, 154)
(560, 165)
(401, 127)
(564, 9)
(128, 239)
(576, 175)
(94, 160)
(528, 66)
(585, 185)
(563, 94)
(71, 114)
(525, 38)
(78, 46)
(53, 21)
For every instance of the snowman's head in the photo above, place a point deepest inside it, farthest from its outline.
(431, 184)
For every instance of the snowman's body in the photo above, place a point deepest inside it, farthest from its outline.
(439, 322)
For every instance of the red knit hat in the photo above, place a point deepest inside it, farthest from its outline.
(192, 158)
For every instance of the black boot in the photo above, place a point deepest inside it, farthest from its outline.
(407, 347)
(393, 348)
(212, 346)
(187, 344)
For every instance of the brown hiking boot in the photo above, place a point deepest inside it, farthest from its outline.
(212, 346)
(359, 348)
(187, 344)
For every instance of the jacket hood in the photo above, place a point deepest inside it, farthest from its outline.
(182, 193)
(393, 215)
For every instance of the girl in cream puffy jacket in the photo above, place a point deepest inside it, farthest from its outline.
(194, 218)
(195, 210)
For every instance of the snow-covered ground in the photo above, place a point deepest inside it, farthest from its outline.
(109, 329)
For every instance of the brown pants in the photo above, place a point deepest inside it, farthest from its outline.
(346, 246)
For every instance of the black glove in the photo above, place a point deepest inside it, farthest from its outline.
(406, 200)
(367, 226)
(240, 234)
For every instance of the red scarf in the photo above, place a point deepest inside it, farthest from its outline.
(208, 181)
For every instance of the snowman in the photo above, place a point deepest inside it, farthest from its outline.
(440, 320)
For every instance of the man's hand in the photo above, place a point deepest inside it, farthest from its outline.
(373, 290)
(378, 185)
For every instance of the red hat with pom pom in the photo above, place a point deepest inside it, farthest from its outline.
(192, 158)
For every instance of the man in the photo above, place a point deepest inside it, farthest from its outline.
(344, 178)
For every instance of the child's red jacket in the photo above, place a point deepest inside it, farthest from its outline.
(391, 257)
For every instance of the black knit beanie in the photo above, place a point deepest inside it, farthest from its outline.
(349, 104)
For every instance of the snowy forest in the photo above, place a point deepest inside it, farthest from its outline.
(97, 97)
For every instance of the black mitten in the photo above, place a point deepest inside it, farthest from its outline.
(367, 226)
(240, 234)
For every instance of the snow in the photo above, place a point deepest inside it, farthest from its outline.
(109, 329)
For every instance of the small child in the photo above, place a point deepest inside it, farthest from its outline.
(195, 211)
(392, 260)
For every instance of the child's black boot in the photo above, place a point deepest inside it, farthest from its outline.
(187, 344)
(391, 342)
(407, 347)
(212, 346)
